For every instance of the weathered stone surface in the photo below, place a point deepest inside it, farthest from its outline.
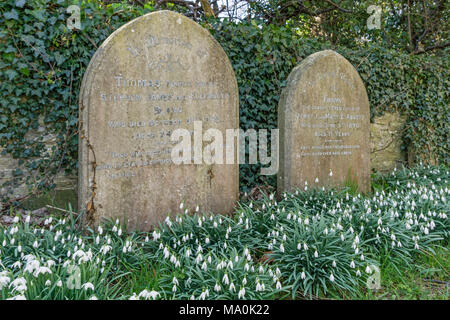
(386, 133)
(157, 73)
(324, 119)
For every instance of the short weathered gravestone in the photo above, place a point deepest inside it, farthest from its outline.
(323, 117)
(155, 74)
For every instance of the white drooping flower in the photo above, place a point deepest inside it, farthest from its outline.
(368, 270)
(241, 294)
(225, 279)
(4, 280)
(278, 285)
(331, 278)
(19, 285)
(87, 286)
(18, 297)
(149, 294)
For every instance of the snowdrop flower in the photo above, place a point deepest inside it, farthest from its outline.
(358, 273)
(316, 254)
(105, 249)
(168, 222)
(241, 293)
(181, 205)
(217, 287)
(368, 270)
(232, 287)
(48, 283)
(175, 281)
(278, 285)
(225, 279)
(59, 283)
(88, 285)
(93, 298)
(281, 248)
(4, 280)
(19, 284)
(352, 264)
(331, 173)
(331, 278)
(18, 297)
(133, 297)
(303, 275)
(204, 294)
(334, 264)
(156, 235)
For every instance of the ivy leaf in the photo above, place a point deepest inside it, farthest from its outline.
(11, 74)
(25, 71)
(20, 3)
(11, 15)
(59, 58)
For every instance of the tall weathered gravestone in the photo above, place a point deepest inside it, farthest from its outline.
(323, 117)
(157, 73)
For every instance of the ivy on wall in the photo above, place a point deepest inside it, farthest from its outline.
(42, 64)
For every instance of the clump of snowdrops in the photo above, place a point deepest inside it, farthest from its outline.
(308, 242)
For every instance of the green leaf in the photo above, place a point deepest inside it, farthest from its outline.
(11, 15)
(20, 3)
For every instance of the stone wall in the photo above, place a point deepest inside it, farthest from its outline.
(386, 142)
(8, 165)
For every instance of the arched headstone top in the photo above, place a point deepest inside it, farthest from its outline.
(324, 120)
(155, 74)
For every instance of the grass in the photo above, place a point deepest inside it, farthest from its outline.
(427, 278)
